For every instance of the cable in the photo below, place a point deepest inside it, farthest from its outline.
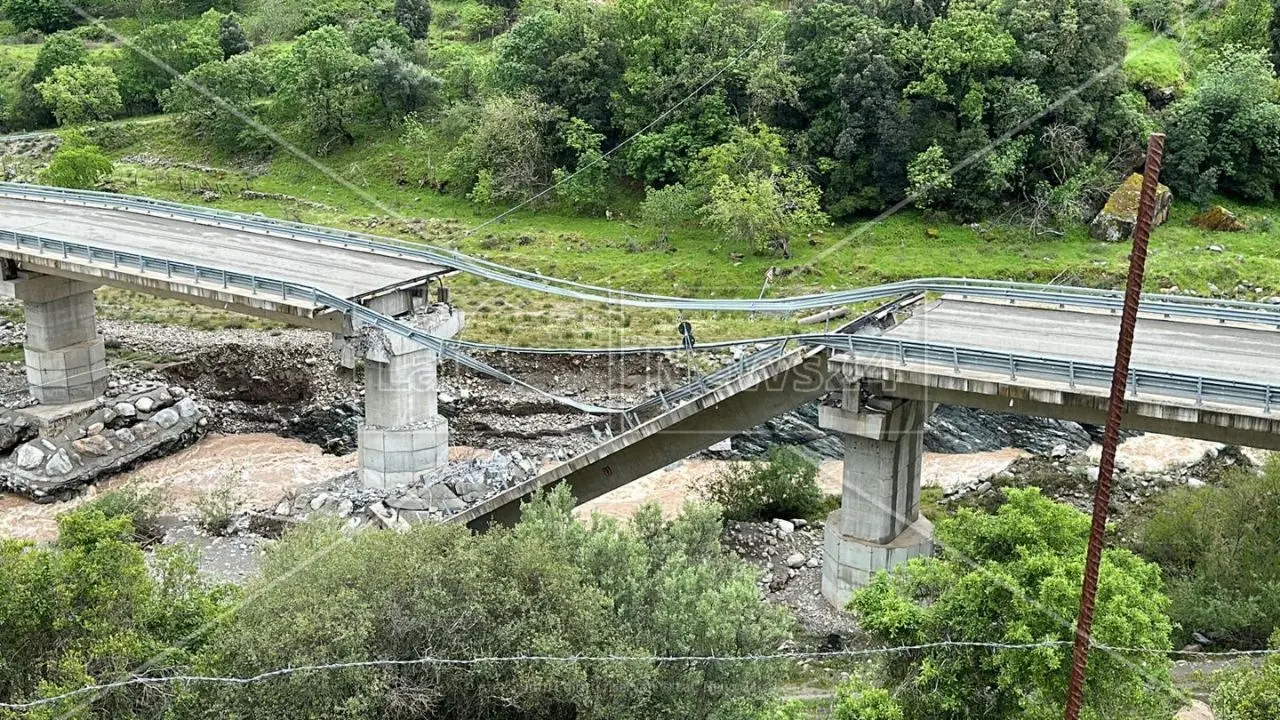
(519, 659)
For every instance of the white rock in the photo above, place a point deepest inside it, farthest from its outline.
(95, 428)
(796, 560)
(28, 457)
(177, 392)
(126, 435)
(144, 404)
(346, 507)
(1195, 483)
(125, 409)
(186, 407)
(1059, 451)
(318, 501)
(166, 418)
(785, 526)
(283, 508)
(59, 464)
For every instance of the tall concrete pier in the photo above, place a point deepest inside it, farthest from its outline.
(65, 358)
(878, 525)
(404, 434)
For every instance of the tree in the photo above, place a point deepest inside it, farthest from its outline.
(1246, 23)
(47, 16)
(1224, 136)
(161, 52)
(784, 486)
(1218, 547)
(551, 585)
(90, 608)
(28, 109)
(664, 208)
(321, 84)
(216, 101)
(752, 196)
(414, 16)
(81, 93)
(371, 31)
(400, 86)
(231, 37)
(582, 188)
(506, 155)
(1014, 577)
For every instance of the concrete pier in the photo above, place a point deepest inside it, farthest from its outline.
(878, 525)
(404, 434)
(65, 358)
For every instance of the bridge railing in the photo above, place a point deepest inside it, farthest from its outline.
(1213, 309)
(1199, 388)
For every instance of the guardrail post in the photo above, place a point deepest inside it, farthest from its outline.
(142, 265)
(253, 284)
(1133, 382)
(168, 269)
(1071, 374)
(955, 359)
(902, 353)
(1266, 400)
(224, 279)
(1013, 368)
(40, 245)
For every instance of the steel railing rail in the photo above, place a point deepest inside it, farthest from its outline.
(1169, 305)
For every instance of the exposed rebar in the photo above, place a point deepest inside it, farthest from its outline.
(1115, 413)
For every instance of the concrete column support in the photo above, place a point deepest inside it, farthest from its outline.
(878, 525)
(404, 434)
(65, 358)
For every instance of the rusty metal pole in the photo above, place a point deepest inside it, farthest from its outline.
(1111, 435)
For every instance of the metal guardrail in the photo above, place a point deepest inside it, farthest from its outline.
(1169, 305)
(1199, 388)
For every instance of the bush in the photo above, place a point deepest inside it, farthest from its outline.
(481, 21)
(506, 154)
(1250, 693)
(549, 586)
(90, 608)
(668, 207)
(1162, 16)
(1218, 548)
(219, 507)
(77, 165)
(81, 93)
(47, 16)
(785, 486)
(139, 505)
(1014, 577)
(1222, 135)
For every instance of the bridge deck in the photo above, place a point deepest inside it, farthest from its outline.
(347, 272)
(1189, 347)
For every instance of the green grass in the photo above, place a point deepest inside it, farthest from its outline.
(1154, 61)
(11, 354)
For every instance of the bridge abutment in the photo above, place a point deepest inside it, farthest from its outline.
(878, 525)
(65, 358)
(404, 433)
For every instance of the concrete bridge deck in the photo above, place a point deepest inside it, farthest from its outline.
(353, 273)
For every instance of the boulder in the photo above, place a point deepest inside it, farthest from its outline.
(796, 560)
(125, 410)
(95, 445)
(28, 457)
(145, 430)
(442, 498)
(186, 407)
(1117, 218)
(125, 435)
(59, 464)
(1218, 219)
(144, 404)
(166, 418)
(407, 502)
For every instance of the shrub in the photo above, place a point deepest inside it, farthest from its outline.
(667, 207)
(549, 586)
(78, 166)
(857, 702)
(81, 93)
(1014, 577)
(1250, 693)
(1162, 16)
(218, 507)
(481, 21)
(784, 486)
(90, 608)
(1218, 547)
(47, 16)
(140, 505)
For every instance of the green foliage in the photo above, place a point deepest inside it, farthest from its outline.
(90, 609)
(1250, 693)
(370, 31)
(400, 86)
(216, 101)
(47, 16)
(668, 207)
(1244, 23)
(1161, 16)
(139, 505)
(81, 93)
(321, 86)
(217, 508)
(507, 154)
(1154, 62)
(857, 702)
(414, 16)
(231, 37)
(583, 187)
(59, 49)
(1013, 577)
(784, 486)
(929, 177)
(155, 56)
(753, 197)
(648, 588)
(880, 85)
(480, 20)
(1219, 548)
(1224, 136)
